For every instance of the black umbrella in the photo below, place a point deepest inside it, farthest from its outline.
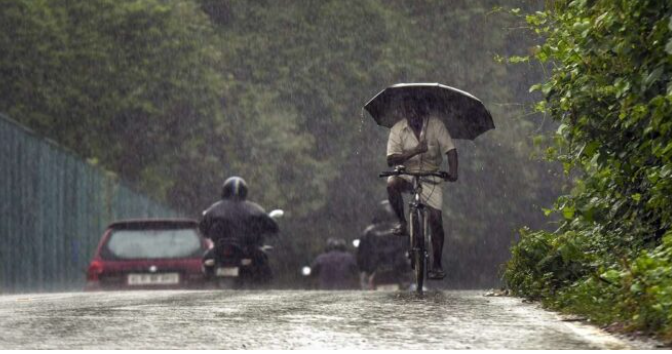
(464, 115)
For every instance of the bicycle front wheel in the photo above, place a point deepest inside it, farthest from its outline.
(418, 259)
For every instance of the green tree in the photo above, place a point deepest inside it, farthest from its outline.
(176, 96)
(121, 83)
(324, 60)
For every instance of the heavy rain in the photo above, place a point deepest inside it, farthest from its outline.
(221, 174)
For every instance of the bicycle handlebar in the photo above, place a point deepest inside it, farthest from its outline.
(440, 174)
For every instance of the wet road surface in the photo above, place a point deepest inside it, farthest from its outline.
(286, 320)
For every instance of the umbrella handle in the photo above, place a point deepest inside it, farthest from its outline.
(423, 131)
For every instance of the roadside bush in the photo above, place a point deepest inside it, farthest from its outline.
(649, 294)
(638, 296)
(543, 262)
(560, 271)
(610, 90)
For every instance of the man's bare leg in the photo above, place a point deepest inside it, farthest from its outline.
(396, 186)
(438, 235)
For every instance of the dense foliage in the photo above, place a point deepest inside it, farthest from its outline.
(611, 91)
(175, 96)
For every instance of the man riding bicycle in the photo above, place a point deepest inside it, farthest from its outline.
(418, 142)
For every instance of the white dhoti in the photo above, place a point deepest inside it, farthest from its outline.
(432, 191)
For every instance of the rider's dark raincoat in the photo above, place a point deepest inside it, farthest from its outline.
(379, 248)
(245, 221)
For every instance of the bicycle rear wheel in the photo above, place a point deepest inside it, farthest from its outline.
(418, 259)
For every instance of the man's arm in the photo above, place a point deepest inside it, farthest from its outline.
(398, 159)
(452, 165)
(447, 146)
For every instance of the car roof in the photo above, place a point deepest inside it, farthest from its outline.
(158, 223)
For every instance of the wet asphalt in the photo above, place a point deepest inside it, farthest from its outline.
(286, 320)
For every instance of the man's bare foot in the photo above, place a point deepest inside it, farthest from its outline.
(436, 274)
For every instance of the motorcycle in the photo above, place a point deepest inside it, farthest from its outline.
(231, 264)
(391, 269)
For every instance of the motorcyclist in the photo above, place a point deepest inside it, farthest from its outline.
(336, 268)
(235, 218)
(379, 249)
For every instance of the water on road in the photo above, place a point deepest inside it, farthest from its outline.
(284, 320)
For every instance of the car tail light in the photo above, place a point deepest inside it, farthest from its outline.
(95, 269)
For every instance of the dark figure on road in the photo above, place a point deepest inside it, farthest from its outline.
(419, 142)
(336, 269)
(380, 254)
(234, 218)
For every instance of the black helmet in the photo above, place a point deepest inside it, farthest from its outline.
(234, 188)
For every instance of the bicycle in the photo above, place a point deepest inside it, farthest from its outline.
(417, 224)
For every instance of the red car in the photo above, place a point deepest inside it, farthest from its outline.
(148, 254)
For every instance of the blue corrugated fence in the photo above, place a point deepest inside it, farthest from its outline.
(53, 208)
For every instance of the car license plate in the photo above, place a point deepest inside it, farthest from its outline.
(152, 279)
(227, 272)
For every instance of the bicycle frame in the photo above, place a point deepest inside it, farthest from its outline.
(415, 205)
(417, 249)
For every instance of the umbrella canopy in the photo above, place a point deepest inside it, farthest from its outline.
(464, 115)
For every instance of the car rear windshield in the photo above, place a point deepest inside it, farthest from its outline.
(153, 244)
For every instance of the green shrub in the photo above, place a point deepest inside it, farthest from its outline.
(542, 262)
(649, 294)
(610, 90)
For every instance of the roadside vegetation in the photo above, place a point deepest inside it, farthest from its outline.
(609, 87)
